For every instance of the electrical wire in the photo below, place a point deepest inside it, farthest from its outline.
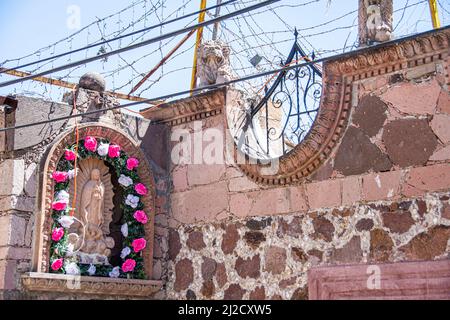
(231, 82)
(121, 37)
(141, 44)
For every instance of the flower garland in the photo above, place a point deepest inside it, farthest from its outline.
(62, 258)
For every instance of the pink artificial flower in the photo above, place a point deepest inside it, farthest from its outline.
(57, 264)
(90, 143)
(57, 234)
(132, 163)
(59, 205)
(140, 216)
(59, 176)
(128, 265)
(70, 155)
(141, 189)
(114, 151)
(139, 244)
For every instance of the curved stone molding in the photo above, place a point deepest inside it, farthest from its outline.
(336, 103)
(45, 282)
(42, 237)
(435, 44)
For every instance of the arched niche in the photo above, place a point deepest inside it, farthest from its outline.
(40, 279)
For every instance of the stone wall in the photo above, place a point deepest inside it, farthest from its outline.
(380, 193)
(21, 165)
(381, 196)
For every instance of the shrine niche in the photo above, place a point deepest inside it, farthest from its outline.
(97, 216)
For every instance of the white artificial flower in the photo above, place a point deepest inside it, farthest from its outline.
(115, 273)
(125, 251)
(132, 201)
(72, 269)
(125, 181)
(124, 230)
(72, 174)
(92, 269)
(62, 196)
(102, 150)
(70, 248)
(66, 221)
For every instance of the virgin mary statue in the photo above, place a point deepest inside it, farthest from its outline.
(92, 200)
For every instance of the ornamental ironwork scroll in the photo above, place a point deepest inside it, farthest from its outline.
(285, 115)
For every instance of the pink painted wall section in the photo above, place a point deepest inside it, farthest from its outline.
(397, 144)
(242, 198)
(404, 281)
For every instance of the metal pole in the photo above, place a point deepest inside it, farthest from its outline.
(434, 14)
(201, 18)
(216, 25)
(186, 37)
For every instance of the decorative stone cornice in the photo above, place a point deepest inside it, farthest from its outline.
(45, 282)
(431, 44)
(189, 109)
(336, 103)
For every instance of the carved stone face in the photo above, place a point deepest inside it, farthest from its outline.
(95, 174)
(214, 54)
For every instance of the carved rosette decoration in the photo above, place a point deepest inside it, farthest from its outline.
(73, 236)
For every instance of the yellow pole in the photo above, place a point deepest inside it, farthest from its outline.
(201, 19)
(434, 14)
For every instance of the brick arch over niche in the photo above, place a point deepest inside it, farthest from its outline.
(339, 96)
(41, 254)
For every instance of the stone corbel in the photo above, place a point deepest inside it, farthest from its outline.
(186, 110)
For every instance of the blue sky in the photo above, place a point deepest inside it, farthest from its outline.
(28, 25)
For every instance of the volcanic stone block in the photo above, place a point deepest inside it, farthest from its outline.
(324, 229)
(221, 275)
(184, 275)
(350, 253)
(230, 239)
(380, 245)
(364, 225)
(234, 292)
(195, 241)
(254, 238)
(370, 115)
(248, 268)
(428, 245)
(398, 221)
(209, 267)
(258, 294)
(174, 244)
(275, 260)
(357, 154)
(409, 142)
